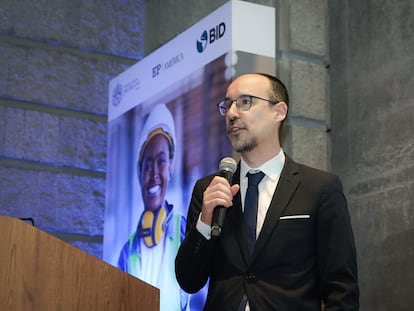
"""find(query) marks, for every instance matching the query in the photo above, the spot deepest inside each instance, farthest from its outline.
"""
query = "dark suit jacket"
(296, 262)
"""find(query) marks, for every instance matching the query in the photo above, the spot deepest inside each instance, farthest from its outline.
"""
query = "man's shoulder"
(306, 172)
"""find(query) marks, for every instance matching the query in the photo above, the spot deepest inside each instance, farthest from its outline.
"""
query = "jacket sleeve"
(195, 255)
(336, 250)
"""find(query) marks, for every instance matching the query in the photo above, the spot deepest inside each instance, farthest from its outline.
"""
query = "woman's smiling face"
(155, 172)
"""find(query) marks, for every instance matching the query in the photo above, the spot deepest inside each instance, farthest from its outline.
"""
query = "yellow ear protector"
(151, 227)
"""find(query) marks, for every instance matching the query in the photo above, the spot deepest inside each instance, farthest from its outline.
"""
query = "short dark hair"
(278, 89)
(277, 94)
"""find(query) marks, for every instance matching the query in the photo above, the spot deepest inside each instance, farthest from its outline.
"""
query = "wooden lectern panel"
(40, 272)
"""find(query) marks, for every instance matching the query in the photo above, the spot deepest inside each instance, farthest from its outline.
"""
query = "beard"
(239, 142)
(245, 146)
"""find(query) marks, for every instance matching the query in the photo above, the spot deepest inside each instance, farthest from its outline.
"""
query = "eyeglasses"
(243, 103)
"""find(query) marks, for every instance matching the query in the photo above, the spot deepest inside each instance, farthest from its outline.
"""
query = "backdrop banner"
(165, 132)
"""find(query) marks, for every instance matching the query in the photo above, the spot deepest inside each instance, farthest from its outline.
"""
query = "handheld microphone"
(227, 168)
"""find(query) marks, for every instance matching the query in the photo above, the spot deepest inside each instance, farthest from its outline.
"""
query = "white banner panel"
(236, 26)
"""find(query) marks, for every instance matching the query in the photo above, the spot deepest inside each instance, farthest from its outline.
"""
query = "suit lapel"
(286, 187)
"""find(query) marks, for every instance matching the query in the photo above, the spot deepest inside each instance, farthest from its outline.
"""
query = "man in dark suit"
(304, 256)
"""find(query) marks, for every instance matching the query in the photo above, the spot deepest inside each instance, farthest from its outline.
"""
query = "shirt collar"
(272, 168)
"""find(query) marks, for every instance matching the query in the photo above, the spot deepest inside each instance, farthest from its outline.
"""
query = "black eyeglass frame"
(225, 104)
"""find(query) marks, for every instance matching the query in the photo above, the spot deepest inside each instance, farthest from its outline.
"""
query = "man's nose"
(232, 111)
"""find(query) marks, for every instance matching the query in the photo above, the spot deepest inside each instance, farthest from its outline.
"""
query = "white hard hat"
(159, 122)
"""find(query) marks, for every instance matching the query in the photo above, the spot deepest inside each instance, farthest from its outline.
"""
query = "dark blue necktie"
(250, 207)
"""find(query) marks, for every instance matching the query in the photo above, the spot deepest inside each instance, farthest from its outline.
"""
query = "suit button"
(250, 277)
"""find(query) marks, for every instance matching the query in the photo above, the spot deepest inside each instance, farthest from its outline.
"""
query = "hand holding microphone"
(227, 168)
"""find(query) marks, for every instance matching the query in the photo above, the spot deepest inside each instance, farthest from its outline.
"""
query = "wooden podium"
(40, 272)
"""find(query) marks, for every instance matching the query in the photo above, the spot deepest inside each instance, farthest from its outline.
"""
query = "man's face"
(256, 128)
(155, 172)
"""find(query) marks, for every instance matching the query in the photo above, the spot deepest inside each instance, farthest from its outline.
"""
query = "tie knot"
(255, 178)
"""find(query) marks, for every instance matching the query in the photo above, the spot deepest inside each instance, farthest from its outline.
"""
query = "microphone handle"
(219, 212)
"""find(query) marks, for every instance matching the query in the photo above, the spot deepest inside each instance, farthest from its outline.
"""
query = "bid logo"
(210, 36)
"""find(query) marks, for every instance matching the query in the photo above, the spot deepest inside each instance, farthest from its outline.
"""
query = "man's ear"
(281, 110)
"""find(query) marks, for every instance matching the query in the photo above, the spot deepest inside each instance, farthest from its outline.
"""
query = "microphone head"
(228, 164)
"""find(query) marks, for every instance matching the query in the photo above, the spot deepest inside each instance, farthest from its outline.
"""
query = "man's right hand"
(218, 193)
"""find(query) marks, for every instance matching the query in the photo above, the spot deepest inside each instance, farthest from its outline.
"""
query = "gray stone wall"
(302, 61)
(57, 58)
(372, 96)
